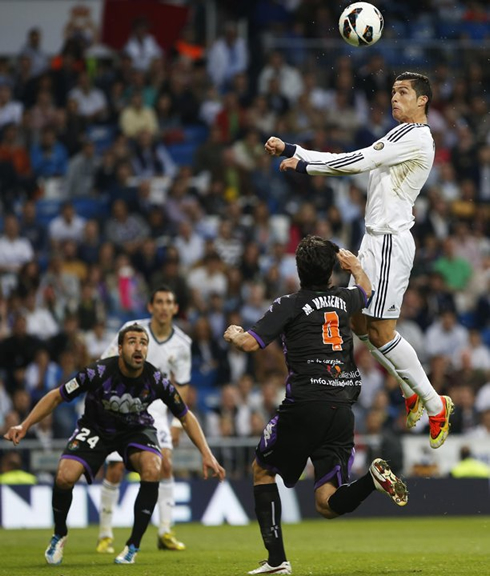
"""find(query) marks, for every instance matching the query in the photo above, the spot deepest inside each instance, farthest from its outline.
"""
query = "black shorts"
(321, 431)
(91, 448)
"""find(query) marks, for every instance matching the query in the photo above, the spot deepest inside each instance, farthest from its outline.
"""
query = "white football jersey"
(399, 165)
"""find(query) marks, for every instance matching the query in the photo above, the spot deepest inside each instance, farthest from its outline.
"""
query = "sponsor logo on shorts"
(75, 445)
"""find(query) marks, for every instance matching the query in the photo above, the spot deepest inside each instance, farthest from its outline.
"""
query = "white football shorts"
(160, 414)
(387, 260)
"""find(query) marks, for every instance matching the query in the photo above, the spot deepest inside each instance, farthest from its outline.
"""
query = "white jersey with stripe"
(171, 356)
(399, 165)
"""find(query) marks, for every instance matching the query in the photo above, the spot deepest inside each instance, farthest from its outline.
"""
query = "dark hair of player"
(162, 288)
(421, 85)
(131, 328)
(315, 259)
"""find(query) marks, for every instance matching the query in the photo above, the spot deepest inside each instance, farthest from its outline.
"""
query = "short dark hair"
(421, 85)
(161, 288)
(131, 328)
(315, 259)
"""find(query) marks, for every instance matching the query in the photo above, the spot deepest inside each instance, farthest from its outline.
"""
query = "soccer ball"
(361, 24)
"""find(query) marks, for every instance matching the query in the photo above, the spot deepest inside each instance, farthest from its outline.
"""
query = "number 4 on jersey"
(331, 332)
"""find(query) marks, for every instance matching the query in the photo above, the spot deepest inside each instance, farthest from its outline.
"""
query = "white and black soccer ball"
(361, 24)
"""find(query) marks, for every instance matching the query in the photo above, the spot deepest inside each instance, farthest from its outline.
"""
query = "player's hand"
(15, 434)
(274, 146)
(175, 434)
(231, 332)
(348, 261)
(288, 164)
(209, 462)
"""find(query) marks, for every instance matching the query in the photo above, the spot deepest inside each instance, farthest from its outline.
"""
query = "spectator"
(42, 115)
(92, 103)
(137, 117)
(208, 278)
(227, 57)
(33, 50)
(151, 158)
(17, 351)
(40, 321)
(11, 471)
(290, 81)
(41, 375)
(455, 270)
(469, 466)
(80, 178)
(142, 46)
(445, 337)
(189, 244)
(97, 340)
(67, 226)
(125, 230)
(14, 249)
(49, 157)
(10, 110)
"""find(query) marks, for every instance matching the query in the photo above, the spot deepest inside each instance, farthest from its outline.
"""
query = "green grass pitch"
(347, 547)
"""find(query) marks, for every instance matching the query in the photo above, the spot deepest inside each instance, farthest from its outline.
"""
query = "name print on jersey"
(325, 302)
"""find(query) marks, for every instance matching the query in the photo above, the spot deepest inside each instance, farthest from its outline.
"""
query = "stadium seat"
(485, 336)
(101, 136)
(47, 209)
(97, 208)
(182, 154)
(196, 134)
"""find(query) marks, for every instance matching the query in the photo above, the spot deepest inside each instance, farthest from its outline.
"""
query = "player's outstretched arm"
(350, 263)
(242, 340)
(275, 146)
(44, 407)
(194, 431)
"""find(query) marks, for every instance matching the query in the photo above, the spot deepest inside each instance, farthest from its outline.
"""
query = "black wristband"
(301, 167)
(289, 150)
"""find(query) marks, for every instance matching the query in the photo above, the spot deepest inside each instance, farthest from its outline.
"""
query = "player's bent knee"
(324, 509)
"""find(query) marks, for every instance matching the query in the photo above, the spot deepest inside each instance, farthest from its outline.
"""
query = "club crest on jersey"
(379, 146)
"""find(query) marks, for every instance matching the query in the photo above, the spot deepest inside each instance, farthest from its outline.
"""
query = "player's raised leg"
(401, 354)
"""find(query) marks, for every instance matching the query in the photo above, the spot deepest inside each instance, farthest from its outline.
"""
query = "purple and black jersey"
(317, 342)
(116, 403)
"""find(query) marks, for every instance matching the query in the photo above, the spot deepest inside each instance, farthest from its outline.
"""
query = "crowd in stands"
(123, 173)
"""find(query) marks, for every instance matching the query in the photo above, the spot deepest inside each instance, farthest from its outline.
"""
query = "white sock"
(109, 496)
(165, 505)
(378, 355)
(405, 360)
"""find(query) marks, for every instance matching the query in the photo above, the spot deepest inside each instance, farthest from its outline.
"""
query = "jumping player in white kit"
(169, 350)
(398, 165)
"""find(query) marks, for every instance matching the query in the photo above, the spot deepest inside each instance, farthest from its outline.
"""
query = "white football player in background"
(399, 165)
(169, 350)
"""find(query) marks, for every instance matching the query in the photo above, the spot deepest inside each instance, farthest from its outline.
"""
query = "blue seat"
(97, 208)
(46, 210)
(485, 336)
(182, 154)
(101, 136)
(196, 134)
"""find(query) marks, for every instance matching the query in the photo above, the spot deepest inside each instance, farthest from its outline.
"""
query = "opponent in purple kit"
(119, 390)
(315, 419)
